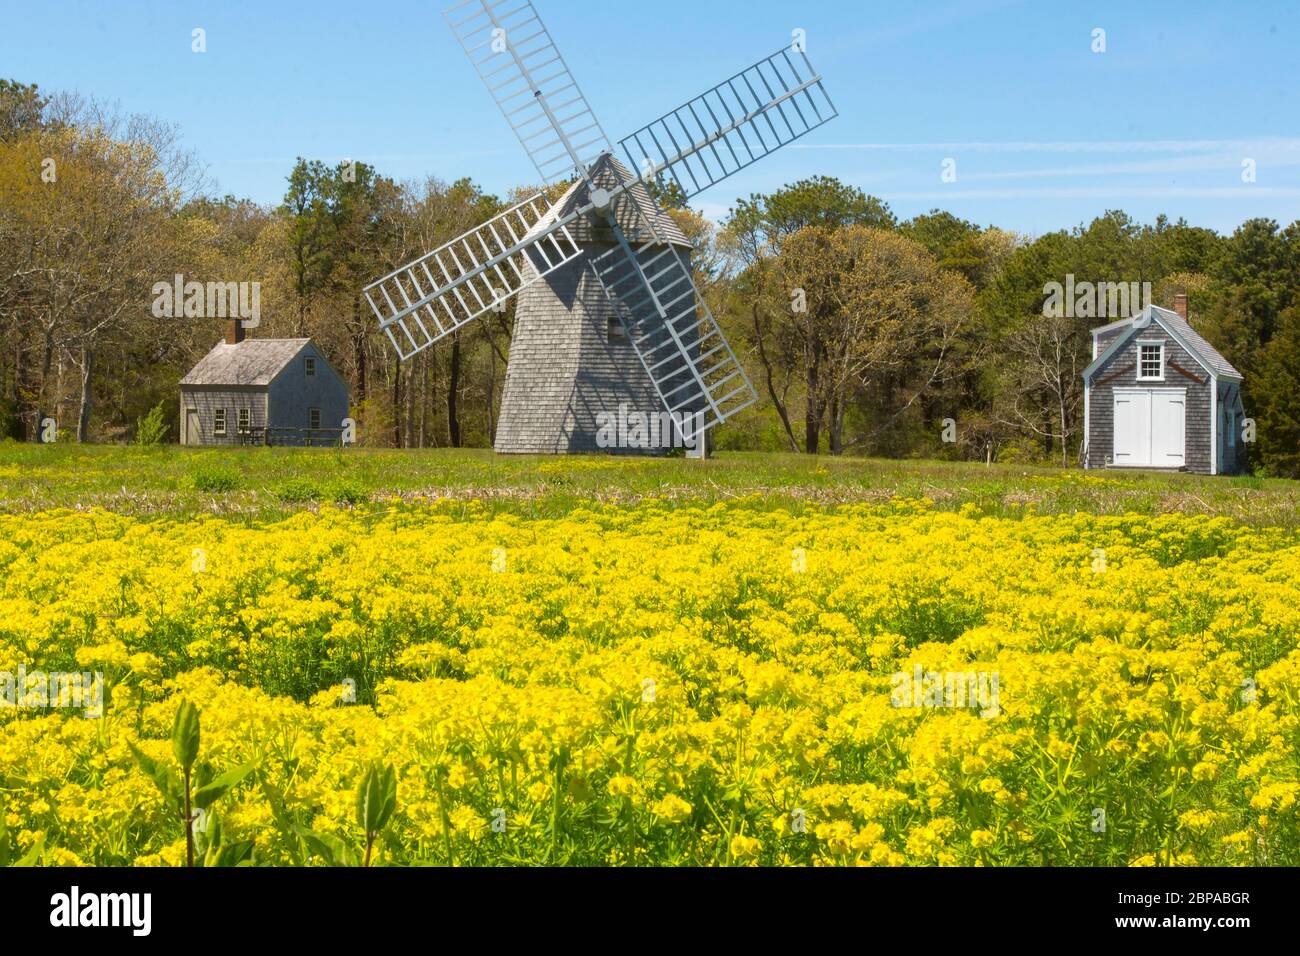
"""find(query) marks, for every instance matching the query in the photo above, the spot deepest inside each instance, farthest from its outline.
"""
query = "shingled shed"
(254, 390)
(571, 359)
(1158, 395)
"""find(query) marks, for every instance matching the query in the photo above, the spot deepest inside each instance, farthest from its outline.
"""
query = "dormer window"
(1151, 362)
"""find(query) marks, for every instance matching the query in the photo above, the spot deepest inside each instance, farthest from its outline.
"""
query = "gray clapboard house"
(1157, 395)
(280, 391)
(572, 367)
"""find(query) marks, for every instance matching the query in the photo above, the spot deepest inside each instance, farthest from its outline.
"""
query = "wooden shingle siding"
(1122, 372)
(268, 378)
(293, 393)
(208, 399)
(563, 370)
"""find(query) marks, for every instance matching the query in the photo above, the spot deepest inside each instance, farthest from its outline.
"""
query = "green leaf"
(185, 735)
(233, 854)
(33, 856)
(5, 854)
(164, 779)
(376, 797)
(328, 847)
(206, 795)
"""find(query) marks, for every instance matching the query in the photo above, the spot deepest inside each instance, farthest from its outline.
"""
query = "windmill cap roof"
(251, 362)
(633, 209)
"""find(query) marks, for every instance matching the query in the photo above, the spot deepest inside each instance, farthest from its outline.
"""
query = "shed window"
(1151, 361)
(313, 418)
(219, 422)
(245, 420)
(309, 365)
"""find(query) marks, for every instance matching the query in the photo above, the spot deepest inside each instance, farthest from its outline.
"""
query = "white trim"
(1141, 322)
(1135, 390)
(1087, 416)
(1214, 425)
(1158, 343)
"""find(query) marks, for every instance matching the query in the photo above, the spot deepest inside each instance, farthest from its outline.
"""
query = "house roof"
(251, 362)
(1181, 331)
(608, 172)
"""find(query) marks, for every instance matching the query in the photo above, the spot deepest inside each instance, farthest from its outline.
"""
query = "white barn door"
(1168, 428)
(1150, 427)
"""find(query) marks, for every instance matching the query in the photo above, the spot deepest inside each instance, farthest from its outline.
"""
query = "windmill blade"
(676, 337)
(443, 290)
(514, 55)
(738, 122)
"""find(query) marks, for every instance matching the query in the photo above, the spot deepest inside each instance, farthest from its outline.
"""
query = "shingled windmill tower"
(609, 323)
(574, 383)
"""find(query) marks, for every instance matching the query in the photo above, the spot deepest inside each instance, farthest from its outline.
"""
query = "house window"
(614, 331)
(1151, 361)
(219, 422)
(313, 418)
(245, 420)
(309, 365)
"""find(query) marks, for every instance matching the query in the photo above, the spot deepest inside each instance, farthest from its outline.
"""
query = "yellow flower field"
(665, 684)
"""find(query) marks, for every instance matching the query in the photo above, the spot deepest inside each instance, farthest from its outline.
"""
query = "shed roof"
(1176, 326)
(608, 172)
(251, 362)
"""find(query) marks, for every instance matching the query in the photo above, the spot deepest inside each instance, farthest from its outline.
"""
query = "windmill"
(609, 323)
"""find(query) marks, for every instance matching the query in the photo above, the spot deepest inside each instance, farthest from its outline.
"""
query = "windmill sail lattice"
(443, 290)
(733, 125)
(643, 273)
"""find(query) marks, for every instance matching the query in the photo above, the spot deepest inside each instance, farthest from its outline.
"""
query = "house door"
(1150, 427)
(191, 426)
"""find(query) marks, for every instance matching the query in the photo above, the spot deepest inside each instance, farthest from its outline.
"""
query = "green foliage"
(213, 480)
(376, 800)
(760, 224)
(152, 429)
(182, 797)
(298, 490)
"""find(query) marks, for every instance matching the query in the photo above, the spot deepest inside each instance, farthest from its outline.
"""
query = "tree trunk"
(837, 426)
(397, 405)
(453, 387)
(812, 419)
(781, 410)
(359, 350)
(83, 417)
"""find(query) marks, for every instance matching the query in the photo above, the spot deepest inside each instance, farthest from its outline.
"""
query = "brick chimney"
(234, 331)
(1180, 305)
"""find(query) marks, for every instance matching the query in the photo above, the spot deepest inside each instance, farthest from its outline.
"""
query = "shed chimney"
(1180, 305)
(234, 331)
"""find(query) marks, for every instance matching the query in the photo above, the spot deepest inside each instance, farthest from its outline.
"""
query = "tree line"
(863, 333)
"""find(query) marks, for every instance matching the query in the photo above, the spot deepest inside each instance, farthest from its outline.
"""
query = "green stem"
(189, 823)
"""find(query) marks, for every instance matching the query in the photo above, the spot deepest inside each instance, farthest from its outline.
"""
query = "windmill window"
(219, 422)
(1151, 361)
(614, 331)
(313, 418)
(309, 365)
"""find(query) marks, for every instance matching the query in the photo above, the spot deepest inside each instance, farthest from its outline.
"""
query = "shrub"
(152, 429)
(215, 480)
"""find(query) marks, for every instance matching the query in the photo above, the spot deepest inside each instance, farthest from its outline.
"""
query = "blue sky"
(1044, 132)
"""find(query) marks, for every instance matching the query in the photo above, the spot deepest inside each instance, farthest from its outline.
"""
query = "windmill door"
(1150, 427)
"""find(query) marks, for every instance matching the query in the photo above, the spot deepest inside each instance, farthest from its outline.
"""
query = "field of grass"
(267, 482)
(409, 658)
